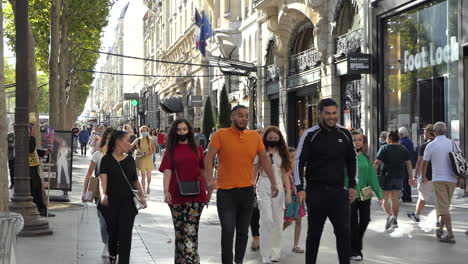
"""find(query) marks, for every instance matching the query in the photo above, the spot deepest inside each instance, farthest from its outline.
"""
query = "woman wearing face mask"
(272, 209)
(183, 161)
(144, 154)
(94, 167)
(117, 171)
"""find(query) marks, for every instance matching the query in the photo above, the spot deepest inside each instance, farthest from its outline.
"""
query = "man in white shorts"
(424, 189)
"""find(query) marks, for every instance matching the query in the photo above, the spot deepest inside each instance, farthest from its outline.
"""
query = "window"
(420, 68)
(304, 39)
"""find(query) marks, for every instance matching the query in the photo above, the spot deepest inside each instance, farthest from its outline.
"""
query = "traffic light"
(134, 102)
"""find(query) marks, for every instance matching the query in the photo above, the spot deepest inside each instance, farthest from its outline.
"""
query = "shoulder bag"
(136, 199)
(187, 188)
(458, 162)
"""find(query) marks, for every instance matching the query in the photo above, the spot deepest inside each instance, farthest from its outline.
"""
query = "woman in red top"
(184, 157)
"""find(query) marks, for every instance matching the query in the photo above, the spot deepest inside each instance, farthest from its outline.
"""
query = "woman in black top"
(116, 203)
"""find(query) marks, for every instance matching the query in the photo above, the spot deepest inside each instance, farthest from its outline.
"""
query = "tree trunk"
(63, 66)
(4, 199)
(53, 63)
(33, 101)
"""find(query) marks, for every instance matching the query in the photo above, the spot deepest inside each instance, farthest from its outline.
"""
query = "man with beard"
(324, 157)
(236, 148)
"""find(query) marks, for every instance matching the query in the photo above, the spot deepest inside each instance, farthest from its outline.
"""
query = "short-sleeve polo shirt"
(236, 154)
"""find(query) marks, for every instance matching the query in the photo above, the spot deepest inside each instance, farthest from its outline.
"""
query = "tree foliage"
(86, 19)
(224, 117)
(208, 118)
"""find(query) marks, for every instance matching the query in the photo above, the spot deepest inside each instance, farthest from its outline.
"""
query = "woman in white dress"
(272, 209)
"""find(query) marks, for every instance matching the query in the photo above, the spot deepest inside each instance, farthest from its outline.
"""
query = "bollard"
(10, 225)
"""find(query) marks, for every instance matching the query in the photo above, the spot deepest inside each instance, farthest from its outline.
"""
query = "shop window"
(420, 68)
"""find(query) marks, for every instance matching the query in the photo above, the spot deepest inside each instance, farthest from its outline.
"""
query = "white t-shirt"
(96, 158)
(437, 152)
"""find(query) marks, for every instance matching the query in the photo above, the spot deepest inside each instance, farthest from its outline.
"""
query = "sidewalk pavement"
(76, 237)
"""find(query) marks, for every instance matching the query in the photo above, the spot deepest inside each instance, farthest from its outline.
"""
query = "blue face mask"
(145, 134)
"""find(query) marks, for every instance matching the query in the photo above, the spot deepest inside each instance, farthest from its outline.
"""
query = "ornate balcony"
(348, 43)
(272, 73)
(304, 60)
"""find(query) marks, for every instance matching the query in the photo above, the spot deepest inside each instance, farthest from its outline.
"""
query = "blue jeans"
(103, 227)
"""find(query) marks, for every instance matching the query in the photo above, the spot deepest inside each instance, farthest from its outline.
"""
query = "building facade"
(303, 51)
(421, 49)
(110, 86)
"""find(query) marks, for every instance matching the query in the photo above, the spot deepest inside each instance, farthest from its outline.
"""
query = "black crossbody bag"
(187, 188)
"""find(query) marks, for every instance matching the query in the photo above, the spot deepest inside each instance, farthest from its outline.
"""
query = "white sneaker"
(105, 251)
(266, 261)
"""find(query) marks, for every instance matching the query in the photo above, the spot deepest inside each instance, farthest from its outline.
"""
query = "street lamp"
(22, 202)
(234, 101)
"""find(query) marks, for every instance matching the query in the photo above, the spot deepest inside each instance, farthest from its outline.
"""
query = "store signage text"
(432, 57)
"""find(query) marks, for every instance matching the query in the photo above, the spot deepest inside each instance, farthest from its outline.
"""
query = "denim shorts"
(392, 184)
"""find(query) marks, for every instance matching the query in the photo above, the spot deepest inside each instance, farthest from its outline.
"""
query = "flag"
(198, 26)
(203, 31)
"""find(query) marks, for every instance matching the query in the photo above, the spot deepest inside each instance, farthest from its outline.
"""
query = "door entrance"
(302, 114)
(431, 101)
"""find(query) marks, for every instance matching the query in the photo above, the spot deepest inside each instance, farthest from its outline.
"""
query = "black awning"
(172, 104)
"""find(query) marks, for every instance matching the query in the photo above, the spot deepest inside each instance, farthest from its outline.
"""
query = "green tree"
(208, 118)
(224, 116)
(83, 22)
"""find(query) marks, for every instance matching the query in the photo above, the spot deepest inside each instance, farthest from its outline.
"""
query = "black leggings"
(83, 148)
(119, 218)
(36, 189)
(360, 218)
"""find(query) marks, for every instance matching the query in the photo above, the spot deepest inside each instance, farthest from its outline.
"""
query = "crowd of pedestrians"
(262, 184)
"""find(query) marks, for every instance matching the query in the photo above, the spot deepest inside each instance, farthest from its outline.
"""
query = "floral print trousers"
(186, 218)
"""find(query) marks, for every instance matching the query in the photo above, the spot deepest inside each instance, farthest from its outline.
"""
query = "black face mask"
(182, 137)
(272, 144)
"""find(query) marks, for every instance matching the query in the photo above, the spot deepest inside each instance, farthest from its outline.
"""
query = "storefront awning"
(172, 104)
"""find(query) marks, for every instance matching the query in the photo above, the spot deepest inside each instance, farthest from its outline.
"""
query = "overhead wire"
(147, 75)
(160, 61)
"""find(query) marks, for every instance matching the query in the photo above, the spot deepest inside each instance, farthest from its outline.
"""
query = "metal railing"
(349, 42)
(304, 60)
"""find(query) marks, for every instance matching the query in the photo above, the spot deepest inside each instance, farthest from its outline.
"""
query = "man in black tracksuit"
(324, 157)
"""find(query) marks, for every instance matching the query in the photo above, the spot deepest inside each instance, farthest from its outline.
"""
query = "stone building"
(303, 50)
(169, 36)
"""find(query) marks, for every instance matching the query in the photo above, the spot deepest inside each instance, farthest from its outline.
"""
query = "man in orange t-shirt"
(236, 148)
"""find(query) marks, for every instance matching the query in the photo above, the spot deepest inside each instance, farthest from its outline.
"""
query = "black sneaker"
(414, 217)
(395, 223)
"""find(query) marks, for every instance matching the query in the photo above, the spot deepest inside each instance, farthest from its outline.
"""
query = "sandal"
(298, 250)
(448, 239)
(439, 232)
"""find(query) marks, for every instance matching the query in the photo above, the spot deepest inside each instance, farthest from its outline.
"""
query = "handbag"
(366, 193)
(136, 199)
(458, 162)
(187, 188)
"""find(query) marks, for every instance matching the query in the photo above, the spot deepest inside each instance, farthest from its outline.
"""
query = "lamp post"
(251, 96)
(22, 201)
